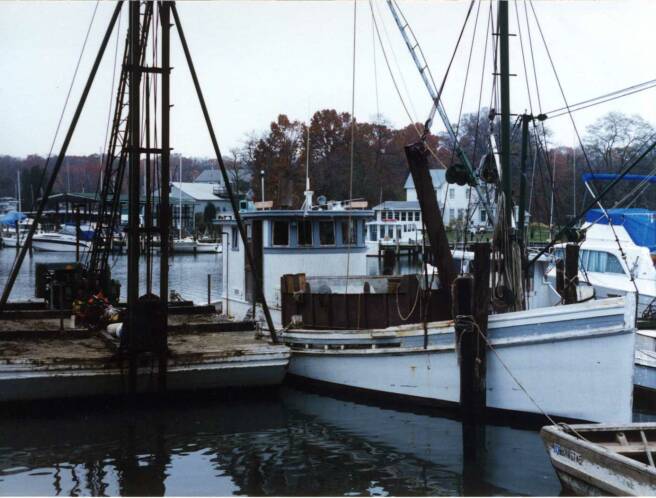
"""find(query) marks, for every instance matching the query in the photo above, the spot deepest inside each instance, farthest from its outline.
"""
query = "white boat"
(58, 242)
(604, 459)
(568, 358)
(189, 245)
(613, 270)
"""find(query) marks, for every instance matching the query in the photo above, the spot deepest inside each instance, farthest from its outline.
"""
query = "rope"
(350, 218)
(68, 95)
(470, 320)
(413, 121)
(398, 308)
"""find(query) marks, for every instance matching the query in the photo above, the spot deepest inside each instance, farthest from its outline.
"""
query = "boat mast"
(504, 62)
(18, 190)
(180, 198)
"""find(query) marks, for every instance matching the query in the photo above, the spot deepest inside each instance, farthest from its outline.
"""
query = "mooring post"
(77, 233)
(560, 277)
(481, 274)
(462, 297)
(571, 273)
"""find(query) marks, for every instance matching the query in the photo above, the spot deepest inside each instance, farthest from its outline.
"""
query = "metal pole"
(262, 182)
(224, 173)
(523, 180)
(133, 182)
(209, 285)
(165, 180)
(505, 110)
(62, 153)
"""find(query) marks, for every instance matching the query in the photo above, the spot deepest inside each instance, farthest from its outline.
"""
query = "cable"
(68, 95)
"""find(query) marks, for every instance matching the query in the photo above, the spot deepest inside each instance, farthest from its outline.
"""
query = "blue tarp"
(12, 217)
(612, 176)
(639, 223)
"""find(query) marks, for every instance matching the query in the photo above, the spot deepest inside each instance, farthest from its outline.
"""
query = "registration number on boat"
(567, 453)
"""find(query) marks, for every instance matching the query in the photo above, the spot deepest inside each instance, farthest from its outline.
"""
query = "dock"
(39, 360)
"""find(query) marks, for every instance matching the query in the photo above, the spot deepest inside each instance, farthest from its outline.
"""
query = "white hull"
(56, 242)
(568, 358)
(195, 247)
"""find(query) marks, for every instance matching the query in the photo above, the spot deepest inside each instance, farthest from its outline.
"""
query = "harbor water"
(289, 443)
(281, 442)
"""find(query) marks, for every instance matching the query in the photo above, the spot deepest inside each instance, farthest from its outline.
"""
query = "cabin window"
(327, 233)
(452, 193)
(600, 262)
(234, 238)
(403, 215)
(349, 237)
(417, 214)
(280, 233)
(373, 233)
(397, 215)
(305, 233)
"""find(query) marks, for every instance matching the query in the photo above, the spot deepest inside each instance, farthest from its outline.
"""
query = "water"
(290, 443)
(187, 273)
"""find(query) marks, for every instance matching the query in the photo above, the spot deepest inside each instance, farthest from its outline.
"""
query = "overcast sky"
(256, 59)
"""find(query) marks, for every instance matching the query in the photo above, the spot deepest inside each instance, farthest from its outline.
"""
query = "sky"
(258, 59)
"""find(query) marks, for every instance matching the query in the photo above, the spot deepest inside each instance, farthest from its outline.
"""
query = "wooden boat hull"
(568, 361)
(588, 469)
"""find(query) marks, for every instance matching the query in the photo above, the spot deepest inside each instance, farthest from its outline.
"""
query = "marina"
(334, 304)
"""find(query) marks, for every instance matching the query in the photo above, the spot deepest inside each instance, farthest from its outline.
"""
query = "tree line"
(375, 168)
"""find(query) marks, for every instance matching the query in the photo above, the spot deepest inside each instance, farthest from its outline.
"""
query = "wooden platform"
(38, 360)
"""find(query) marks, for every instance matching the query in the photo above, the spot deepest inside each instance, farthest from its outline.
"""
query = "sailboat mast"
(504, 61)
(18, 190)
(180, 199)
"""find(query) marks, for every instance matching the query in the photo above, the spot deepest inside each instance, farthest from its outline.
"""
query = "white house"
(190, 198)
(401, 221)
(453, 199)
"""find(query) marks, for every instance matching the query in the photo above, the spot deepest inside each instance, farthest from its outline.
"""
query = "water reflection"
(293, 443)
(187, 274)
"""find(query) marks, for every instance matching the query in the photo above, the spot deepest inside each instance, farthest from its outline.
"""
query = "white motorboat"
(615, 257)
(58, 242)
(189, 245)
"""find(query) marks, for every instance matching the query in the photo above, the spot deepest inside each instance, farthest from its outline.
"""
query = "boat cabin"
(322, 241)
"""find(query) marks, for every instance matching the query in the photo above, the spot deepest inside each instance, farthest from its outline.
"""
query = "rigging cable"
(68, 95)
(413, 122)
(585, 155)
(350, 219)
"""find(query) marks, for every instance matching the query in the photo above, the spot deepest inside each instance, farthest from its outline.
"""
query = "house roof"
(437, 175)
(197, 191)
(414, 205)
(209, 176)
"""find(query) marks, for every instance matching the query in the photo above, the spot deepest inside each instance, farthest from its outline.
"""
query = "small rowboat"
(598, 459)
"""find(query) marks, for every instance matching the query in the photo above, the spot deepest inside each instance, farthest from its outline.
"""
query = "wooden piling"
(481, 274)
(463, 310)
(560, 278)
(571, 273)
